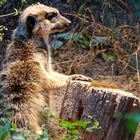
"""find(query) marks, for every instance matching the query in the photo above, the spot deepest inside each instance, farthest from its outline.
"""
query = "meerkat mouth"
(59, 28)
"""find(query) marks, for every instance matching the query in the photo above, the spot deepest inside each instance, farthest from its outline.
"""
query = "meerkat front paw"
(80, 77)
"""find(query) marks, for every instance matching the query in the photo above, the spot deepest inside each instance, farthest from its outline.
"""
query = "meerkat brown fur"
(27, 77)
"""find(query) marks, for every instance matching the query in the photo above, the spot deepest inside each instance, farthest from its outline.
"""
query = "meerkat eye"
(50, 16)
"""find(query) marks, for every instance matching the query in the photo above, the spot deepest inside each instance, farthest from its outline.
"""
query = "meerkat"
(27, 77)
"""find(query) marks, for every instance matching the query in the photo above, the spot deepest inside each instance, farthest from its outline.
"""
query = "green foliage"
(16, 136)
(57, 44)
(73, 132)
(44, 136)
(72, 129)
(93, 127)
(135, 4)
(132, 119)
(81, 8)
(15, 13)
(5, 131)
(2, 28)
(23, 1)
(108, 57)
(77, 38)
(71, 126)
(2, 2)
(8, 129)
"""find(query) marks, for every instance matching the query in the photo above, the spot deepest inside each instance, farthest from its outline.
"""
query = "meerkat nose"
(67, 23)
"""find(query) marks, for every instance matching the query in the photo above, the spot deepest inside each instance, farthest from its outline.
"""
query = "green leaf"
(69, 35)
(82, 124)
(44, 136)
(8, 113)
(18, 137)
(132, 126)
(81, 8)
(137, 14)
(75, 132)
(132, 121)
(16, 12)
(23, 1)
(2, 2)
(5, 131)
(96, 125)
(2, 28)
(67, 137)
(108, 57)
(13, 126)
(135, 116)
(67, 124)
(89, 129)
(57, 44)
(64, 36)
(77, 37)
(2, 121)
(97, 40)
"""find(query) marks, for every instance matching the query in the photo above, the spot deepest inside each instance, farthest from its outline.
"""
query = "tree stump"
(102, 104)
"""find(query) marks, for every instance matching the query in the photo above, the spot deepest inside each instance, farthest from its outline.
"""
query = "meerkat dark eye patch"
(50, 16)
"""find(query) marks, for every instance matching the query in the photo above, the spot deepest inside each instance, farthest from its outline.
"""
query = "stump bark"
(101, 104)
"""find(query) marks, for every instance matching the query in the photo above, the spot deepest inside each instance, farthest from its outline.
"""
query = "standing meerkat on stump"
(27, 77)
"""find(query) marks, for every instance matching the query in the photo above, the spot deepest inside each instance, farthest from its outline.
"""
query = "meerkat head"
(40, 21)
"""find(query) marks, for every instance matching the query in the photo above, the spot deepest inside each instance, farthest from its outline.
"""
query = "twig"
(137, 67)
(11, 14)
(83, 18)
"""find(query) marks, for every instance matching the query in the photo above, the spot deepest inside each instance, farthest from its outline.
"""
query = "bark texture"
(102, 104)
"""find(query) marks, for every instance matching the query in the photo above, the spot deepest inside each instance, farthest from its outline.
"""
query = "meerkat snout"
(61, 24)
(66, 22)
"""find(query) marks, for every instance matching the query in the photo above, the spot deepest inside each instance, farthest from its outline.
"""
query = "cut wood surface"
(81, 101)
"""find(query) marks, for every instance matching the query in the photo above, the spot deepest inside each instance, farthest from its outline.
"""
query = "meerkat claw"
(80, 77)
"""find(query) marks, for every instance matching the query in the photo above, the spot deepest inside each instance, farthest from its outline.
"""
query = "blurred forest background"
(103, 41)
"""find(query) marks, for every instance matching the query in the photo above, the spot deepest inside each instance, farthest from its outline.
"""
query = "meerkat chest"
(43, 54)
(43, 58)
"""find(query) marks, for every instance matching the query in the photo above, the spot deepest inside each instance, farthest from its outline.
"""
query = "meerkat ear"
(24, 29)
(30, 23)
